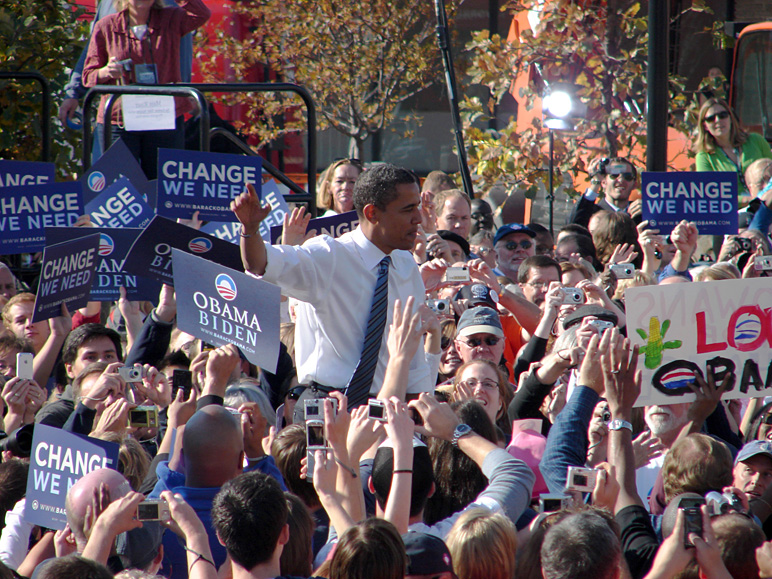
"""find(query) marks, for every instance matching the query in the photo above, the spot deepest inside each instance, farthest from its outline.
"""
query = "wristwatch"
(460, 431)
(619, 425)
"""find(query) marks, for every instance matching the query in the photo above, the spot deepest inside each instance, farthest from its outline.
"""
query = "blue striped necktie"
(362, 379)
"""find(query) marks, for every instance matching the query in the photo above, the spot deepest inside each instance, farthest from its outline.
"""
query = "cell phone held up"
(24, 366)
(182, 379)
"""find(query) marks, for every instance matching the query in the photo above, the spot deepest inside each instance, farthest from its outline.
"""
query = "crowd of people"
(441, 378)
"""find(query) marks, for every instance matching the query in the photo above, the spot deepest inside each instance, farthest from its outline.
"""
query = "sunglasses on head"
(475, 342)
(512, 245)
(625, 176)
(722, 115)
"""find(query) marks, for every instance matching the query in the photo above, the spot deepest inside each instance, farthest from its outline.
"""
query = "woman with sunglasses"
(723, 145)
(336, 191)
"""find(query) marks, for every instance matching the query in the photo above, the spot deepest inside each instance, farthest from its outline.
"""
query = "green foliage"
(601, 49)
(359, 60)
(42, 36)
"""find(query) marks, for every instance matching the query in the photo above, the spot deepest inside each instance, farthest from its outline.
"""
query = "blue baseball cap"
(754, 448)
(479, 320)
(505, 230)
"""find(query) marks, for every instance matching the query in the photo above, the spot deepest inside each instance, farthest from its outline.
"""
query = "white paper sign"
(148, 112)
(715, 327)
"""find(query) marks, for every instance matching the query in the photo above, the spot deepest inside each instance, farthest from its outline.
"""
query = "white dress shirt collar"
(370, 254)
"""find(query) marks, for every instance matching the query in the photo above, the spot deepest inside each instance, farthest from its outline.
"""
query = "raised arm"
(250, 212)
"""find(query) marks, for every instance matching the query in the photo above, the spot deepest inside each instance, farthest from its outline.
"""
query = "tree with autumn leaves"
(43, 36)
(598, 46)
(359, 60)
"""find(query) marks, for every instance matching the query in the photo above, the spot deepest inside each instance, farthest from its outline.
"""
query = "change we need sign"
(18, 173)
(222, 306)
(117, 162)
(190, 181)
(119, 205)
(114, 245)
(334, 226)
(702, 328)
(58, 460)
(151, 254)
(25, 212)
(66, 276)
(230, 231)
(708, 198)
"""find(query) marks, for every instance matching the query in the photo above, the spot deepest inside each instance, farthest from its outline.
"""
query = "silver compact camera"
(581, 479)
(572, 295)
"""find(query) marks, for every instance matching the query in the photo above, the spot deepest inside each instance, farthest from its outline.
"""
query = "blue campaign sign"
(17, 173)
(119, 205)
(115, 163)
(222, 306)
(190, 181)
(708, 198)
(151, 254)
(114, 245)
(334, 226)
(66, 276)
(26, 211)
(58, 460)
(229, 231)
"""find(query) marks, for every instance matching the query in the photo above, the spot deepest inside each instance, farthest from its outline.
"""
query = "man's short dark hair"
(378, 186)
(576, 229)
(86, 333)
(74, 567)
(249, 514)
(174, 358)
(581, 546)
(423, 477)
(539, 261)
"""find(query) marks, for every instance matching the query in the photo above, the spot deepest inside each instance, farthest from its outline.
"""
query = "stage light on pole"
(559, 105)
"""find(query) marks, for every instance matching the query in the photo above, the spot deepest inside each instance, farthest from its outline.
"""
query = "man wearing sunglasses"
(480, 336)
(513, 244)
(616, 178)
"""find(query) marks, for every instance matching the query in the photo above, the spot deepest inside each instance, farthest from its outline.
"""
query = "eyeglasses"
(625, 176)
(767, 419)
(477, 342)
(473, 383)
(512, 245)
(538, 284)
(722, 115)
(482, 251)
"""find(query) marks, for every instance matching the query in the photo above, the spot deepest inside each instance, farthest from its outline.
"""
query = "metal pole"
(657, 79)
(551, 195)
(443, 38)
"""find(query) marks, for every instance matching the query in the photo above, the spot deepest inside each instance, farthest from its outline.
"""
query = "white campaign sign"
(148, 112)
(716, 328)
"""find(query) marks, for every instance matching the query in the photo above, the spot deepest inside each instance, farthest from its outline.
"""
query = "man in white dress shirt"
(335, 278)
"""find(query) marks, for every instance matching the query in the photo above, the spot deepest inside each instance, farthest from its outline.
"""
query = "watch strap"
(619, 425)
